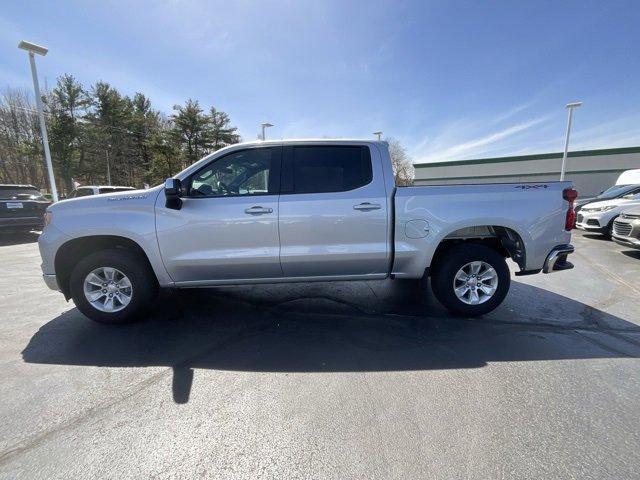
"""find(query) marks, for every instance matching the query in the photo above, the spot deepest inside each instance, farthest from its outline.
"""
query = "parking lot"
(343, 380)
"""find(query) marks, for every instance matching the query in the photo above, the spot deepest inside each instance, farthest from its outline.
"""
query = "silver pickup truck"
(301, 211)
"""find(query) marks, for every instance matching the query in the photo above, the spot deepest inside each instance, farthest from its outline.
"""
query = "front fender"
(130, 217)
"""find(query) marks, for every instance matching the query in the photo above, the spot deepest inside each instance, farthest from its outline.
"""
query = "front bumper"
(627, 242)
(557, 259)
(51, 281)
(589, 228)
(626, 231)
(49, 241)
(592, 221)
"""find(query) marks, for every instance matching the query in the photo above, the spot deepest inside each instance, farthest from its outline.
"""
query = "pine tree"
(192, 128)
(66, 104)
(223, 134)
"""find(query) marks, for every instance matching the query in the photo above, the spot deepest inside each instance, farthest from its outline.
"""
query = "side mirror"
(172, 193)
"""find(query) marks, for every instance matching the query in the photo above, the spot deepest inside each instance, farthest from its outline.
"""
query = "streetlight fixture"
(378, 134)
(34, 49)
(264, 127)
(570, 107)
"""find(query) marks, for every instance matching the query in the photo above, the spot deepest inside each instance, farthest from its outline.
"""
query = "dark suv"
(22, 208)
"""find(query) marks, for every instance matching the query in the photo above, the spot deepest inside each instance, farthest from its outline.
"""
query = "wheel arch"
(72, 251)
(504, 239)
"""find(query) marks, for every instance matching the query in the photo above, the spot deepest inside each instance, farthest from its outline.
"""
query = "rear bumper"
(557, 259)
(21, 223)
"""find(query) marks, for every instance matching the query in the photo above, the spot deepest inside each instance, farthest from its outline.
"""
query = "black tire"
(143, 282)
(448, 265)
(609, 230)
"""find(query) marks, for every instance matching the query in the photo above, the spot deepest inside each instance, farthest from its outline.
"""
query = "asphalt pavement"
(335, 380)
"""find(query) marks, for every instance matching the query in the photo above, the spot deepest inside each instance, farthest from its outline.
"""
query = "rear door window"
(331, 168)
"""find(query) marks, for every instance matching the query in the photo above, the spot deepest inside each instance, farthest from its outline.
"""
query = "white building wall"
(587, 184)
(590, 173)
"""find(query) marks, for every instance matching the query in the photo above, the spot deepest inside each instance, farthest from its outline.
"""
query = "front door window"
(242, 173)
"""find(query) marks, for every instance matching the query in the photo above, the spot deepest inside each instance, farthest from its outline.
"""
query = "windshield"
(615, 191)
(18, 193)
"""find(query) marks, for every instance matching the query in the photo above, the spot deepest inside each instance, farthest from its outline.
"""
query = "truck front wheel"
(112, 286)
(470, 279)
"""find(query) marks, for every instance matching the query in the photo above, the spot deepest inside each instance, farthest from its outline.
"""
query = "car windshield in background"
(615, 191)
(113, 189)
(13, 193)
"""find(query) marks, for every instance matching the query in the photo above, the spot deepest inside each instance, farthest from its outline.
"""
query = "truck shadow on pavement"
(597, 236)
(332, 328)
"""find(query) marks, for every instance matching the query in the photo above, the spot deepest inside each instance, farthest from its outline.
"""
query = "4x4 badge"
(528, 186)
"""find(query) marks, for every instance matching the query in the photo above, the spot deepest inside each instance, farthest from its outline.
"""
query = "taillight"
(570, 195)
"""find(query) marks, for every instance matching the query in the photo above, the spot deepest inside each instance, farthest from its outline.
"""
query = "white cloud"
(513, 112)
(475, 146)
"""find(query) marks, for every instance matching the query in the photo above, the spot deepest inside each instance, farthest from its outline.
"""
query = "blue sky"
(449, 79)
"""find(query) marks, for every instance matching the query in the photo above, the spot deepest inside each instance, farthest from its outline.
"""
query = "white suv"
(598, 217)
(97, 190)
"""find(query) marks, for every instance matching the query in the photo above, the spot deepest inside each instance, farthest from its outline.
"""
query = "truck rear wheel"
(470, 279)
(112, 286)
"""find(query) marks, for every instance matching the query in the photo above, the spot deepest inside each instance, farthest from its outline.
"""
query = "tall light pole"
(33, 49)
(264, 127)
(570, 107)
(378, 134)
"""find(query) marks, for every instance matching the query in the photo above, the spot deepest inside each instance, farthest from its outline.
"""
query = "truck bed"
(536, 212)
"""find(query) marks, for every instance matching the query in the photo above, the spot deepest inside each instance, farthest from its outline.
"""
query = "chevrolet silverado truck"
(302, 211)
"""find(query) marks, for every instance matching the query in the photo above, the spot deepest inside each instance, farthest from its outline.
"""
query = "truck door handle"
(258, 210)
(367, 206)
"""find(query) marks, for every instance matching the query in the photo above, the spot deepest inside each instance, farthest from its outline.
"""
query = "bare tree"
(403, 171)
(20, 147)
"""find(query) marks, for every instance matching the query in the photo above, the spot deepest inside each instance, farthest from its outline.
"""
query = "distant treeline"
(98, 128)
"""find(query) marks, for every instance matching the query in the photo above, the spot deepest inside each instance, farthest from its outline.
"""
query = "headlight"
(599, 209)
(48, 216)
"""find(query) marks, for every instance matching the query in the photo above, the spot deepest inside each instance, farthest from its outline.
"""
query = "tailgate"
(22, 208)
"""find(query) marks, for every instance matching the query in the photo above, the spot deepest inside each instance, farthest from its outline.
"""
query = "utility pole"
(378, 134)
